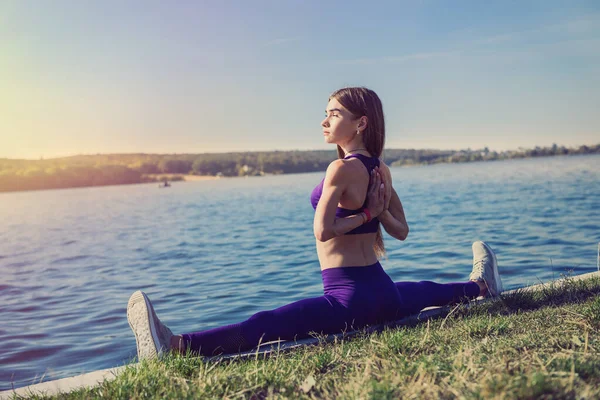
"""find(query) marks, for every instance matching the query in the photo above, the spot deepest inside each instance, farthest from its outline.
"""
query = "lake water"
(214, 252)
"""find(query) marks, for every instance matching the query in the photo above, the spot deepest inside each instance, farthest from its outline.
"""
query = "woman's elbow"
(405, 233)
(323, 234)
(397, 231)
(402, 234)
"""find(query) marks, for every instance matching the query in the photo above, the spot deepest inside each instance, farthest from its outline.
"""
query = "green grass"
(532, 345)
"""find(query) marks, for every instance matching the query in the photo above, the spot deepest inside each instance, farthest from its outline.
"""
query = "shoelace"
(478, 268)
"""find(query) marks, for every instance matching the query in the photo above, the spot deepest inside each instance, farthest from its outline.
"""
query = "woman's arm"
(392, 218)
(338, 177)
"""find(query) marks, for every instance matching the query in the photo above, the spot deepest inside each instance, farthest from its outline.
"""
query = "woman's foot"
(151, 336)
(485, 270)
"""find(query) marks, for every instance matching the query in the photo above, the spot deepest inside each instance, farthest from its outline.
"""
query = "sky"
(113, 76)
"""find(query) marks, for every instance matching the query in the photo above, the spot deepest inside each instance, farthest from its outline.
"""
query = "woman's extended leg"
(419, 295)
(484, 280)
(293, 321)
(321, 314)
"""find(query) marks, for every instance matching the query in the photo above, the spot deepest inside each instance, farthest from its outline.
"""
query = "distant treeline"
(114, 169)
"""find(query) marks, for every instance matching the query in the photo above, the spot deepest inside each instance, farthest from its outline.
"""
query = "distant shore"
(120, 169)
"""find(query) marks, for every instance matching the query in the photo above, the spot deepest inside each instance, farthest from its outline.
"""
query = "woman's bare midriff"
(347, 251)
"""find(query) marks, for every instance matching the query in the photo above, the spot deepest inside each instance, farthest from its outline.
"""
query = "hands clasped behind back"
(376, 193)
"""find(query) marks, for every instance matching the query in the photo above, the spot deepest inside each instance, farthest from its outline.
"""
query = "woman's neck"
(354, 147)
(355, 150)
(358, 150)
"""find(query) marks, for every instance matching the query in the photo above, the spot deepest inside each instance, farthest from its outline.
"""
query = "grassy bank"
(542, 344)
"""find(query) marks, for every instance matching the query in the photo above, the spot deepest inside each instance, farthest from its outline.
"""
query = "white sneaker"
(151, 336)
(485, 268)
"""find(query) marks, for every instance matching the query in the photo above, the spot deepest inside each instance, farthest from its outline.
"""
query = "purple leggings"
(354, 297)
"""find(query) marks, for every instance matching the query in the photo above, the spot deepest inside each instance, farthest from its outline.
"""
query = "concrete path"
(93, 379)
(90, 379)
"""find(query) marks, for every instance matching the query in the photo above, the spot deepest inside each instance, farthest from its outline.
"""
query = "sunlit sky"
(87, 77)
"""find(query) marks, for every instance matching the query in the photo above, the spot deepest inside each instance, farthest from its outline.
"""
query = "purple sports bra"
(369, 227)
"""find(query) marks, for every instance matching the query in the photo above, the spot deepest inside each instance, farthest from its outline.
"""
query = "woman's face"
(339, 125)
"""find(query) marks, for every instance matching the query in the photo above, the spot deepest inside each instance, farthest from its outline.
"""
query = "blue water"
(214, 252)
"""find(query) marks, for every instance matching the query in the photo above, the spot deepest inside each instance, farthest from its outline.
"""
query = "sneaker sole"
(496, 273)
(142, 324)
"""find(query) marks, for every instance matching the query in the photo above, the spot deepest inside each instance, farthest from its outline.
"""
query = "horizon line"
(520, 148)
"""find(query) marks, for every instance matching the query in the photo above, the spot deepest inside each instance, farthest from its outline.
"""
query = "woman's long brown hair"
(360, 102)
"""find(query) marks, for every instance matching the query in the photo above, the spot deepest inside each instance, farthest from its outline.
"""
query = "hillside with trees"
(115, 169)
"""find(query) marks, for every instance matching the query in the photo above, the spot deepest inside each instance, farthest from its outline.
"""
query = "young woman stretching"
(354, 199)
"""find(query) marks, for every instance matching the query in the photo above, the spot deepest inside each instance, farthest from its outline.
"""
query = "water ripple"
(66, 260)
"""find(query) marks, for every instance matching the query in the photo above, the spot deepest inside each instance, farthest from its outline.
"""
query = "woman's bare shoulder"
(339, 171)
